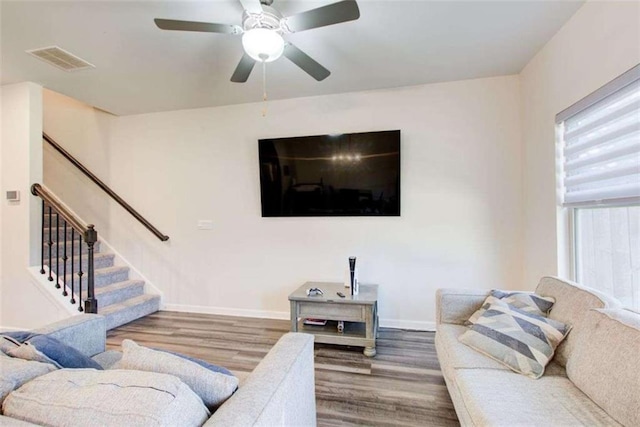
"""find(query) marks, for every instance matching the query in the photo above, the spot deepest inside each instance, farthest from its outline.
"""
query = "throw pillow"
(525, 342)
(15, 372)
(46, 349)
(212, 387)
(525, 301)
(204, 364)
(79, 397)
(8, 343)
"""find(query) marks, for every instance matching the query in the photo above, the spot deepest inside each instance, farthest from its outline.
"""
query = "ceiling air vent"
(60, 58)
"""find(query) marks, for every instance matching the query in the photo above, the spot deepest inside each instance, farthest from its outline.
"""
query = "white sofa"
(593, 379)
(280, 391)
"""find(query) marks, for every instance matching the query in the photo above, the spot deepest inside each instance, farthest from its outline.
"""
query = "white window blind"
(601, 150)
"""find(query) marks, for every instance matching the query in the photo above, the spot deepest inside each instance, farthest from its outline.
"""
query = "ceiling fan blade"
(304, 61)
(241, 74)
(343, 11)
(205, 27)
(252, 6)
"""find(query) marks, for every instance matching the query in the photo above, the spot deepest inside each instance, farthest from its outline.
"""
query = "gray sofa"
(279, 392)
(593, 379)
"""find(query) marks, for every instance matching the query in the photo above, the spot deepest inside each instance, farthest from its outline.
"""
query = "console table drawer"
(332, 311)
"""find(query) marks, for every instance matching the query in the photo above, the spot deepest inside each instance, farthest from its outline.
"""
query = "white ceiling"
(141, 69)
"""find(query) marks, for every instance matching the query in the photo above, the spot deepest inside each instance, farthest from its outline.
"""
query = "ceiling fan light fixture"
(263, 44)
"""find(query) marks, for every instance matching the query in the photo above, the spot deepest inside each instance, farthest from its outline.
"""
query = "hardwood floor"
(401, 386)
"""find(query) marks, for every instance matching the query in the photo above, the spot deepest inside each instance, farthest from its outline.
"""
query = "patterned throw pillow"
(525, 342)
(526, 301)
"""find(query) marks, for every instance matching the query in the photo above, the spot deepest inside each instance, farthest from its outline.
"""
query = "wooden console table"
(359, 312)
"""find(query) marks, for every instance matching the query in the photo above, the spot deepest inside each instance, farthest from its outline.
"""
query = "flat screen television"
(353, 174)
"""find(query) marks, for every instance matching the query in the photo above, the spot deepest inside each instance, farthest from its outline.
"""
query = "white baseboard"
(224, 311)
(284, 315)
(52, 293)
(12, 328)
(415, 325)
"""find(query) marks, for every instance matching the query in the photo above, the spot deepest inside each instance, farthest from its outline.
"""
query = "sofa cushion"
(107, 359)
(459, 355)
(525, 301)
(118, 398)
(213, 387)
(43, 348)
(502, 398)
(12, 422)
(523, 341)
(15, 372)
(605, 363)
(572, 302)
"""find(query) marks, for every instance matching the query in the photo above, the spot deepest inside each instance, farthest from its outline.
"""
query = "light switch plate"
(205, 224)
(13, 196)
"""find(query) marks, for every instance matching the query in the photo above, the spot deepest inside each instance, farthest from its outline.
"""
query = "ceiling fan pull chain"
(264, 88)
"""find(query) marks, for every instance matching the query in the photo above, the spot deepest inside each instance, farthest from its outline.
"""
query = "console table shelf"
(359, 313)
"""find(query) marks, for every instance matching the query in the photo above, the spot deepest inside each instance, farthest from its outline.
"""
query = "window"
(599, 170)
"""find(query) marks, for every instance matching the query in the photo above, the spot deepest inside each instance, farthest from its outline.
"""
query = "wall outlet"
(205, 224)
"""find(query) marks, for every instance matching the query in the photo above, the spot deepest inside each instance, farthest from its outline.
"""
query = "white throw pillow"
(212, 387)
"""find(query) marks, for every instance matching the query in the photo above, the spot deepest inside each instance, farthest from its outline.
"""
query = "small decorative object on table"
(312, 292)
(352, 284)
(315, 322)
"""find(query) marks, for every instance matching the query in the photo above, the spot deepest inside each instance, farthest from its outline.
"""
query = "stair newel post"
(90, 238)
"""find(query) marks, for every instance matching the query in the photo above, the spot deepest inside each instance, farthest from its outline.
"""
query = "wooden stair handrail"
(53, 201)
(105, 188)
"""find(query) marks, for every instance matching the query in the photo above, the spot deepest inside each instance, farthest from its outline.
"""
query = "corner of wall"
(596, 45)
(20, 166)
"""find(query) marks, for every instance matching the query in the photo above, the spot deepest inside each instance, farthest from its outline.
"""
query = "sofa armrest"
(454, 306)
(280, 390)
(84, 332)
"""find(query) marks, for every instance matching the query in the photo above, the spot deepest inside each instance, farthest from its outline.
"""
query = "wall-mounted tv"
(352, 174)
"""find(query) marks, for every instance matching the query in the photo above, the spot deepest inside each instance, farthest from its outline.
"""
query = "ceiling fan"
(263, 28)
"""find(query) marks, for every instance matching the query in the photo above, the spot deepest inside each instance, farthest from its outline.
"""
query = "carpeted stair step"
(119, 292)
(129, 310)
(48, 220)
(52, 220)
(100, 260)
(104, 276)
(60, 235)
(59, 246)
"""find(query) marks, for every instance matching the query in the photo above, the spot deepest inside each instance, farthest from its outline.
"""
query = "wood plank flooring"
(401, 386)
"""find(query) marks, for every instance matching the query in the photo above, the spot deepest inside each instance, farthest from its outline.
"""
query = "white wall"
(84, 132)
(461, 200)
(600, 42)
(24, 305)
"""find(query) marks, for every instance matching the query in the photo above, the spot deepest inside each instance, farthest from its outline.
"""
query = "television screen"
(356, 174)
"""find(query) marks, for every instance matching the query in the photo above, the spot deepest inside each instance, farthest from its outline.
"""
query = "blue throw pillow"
(44, 348)
(206, 365)
(20, 336)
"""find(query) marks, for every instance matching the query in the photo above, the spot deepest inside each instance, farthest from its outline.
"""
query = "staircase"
(87, 277)
(120, 298)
